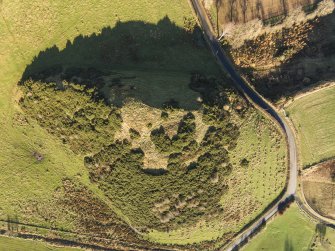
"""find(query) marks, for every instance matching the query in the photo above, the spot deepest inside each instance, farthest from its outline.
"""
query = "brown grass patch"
(144, 119)
(319, 188)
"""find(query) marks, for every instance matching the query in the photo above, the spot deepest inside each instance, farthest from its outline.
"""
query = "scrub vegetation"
(117, 125)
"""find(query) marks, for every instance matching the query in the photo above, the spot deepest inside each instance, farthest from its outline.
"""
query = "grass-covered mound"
(87, 115)
(113, 75)
(190, 182)
(185, 190)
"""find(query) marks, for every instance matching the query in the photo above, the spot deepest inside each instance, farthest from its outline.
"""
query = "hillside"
(118, 129)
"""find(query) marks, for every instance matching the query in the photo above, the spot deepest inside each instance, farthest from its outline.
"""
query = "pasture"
(313, 117)
(292, 231)
(15, 244)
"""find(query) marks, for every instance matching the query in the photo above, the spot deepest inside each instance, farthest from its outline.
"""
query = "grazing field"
(16, 244)
(119, 101)
(292, 231)
(313, 117)
(319, 188)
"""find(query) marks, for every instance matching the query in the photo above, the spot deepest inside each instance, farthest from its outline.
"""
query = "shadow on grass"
(288, 245)
(149, 62)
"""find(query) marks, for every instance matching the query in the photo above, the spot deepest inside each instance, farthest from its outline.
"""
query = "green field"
(16, 244)
(291, 231)
(313, 117)
(163, 51)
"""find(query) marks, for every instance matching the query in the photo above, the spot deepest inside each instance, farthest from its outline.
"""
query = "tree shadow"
(288, 245)
(152, 63)
(321, 230)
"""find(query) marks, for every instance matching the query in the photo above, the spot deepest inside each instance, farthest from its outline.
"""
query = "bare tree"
(260, 10)
(217, 6)
(232, 10)
(284, 6)
(244, 6)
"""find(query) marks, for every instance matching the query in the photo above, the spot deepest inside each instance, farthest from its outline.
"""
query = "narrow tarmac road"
(260, 103)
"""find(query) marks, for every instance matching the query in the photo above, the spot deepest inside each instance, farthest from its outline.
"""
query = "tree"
(284, 6)
(244, 162)
(232, 10)
(260, 10)
(244, 6)
(332, 175)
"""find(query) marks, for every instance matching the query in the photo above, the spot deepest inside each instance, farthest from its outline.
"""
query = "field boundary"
(63, 241)
(320, 86)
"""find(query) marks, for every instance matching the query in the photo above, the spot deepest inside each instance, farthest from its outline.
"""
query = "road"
(260, 103)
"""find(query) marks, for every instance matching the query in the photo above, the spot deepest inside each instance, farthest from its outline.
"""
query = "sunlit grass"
(313, 117)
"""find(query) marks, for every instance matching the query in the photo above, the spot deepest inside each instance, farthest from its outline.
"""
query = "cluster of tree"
(118, 169)
(285, 204)
(75, 114)
(193, 190)
(72, 113)
(216, 97)
(89, 77)
(216, 144)
(181, 141)
(117, 155)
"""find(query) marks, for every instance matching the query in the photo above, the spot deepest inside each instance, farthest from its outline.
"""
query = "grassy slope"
(15, 244)
(27, 28)
(313, 117)
(258, 184)
(291, 231)
(167, 84)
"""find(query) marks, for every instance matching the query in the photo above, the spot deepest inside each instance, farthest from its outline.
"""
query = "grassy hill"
(116, 118)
